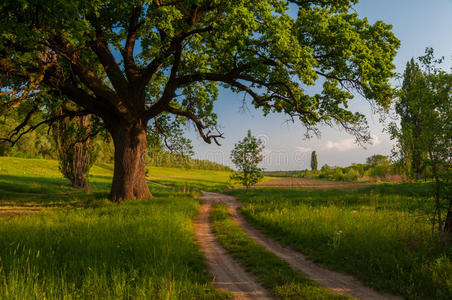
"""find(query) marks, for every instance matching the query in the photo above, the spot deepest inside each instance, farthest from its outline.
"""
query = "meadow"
(381, 234)
(82, 246)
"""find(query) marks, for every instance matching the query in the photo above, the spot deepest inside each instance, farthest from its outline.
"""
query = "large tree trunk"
(129, 181)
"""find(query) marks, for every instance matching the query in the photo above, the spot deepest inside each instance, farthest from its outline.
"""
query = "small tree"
(74, 149)
(313, 161)
(246, 156)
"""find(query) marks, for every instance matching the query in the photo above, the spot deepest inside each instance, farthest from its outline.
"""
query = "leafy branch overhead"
(136, 59)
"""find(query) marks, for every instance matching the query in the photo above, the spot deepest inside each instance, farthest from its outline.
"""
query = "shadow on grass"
(47, 192)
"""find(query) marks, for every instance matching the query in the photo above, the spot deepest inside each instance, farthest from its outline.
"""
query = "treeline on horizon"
(40, 144)
(377, 168)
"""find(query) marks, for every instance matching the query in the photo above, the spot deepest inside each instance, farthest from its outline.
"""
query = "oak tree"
(129, 61)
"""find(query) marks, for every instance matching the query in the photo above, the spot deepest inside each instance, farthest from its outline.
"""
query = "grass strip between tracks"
(273, 273)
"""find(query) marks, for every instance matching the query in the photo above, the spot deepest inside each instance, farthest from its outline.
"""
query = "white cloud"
(304, 149)
(375, 140)
(349, 144)
(342, 145)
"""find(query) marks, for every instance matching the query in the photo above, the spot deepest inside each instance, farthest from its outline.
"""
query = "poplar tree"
(313, 161)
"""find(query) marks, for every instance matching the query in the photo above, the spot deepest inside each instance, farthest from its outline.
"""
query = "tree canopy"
(129, 62)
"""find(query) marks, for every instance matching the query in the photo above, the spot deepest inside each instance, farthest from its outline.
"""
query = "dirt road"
(229, 275)
(334, 281)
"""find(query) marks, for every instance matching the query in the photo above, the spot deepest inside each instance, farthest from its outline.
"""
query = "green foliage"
(382, 234)
(377, 159)
(167, 147)
(275, 274)
(377, 168)
(187, 50)
(424, 108)
(35, 144)
(246, 156)
(313, 161)
(424, 137)
(254, 47)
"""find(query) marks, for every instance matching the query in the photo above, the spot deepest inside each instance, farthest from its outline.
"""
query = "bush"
(352, 174)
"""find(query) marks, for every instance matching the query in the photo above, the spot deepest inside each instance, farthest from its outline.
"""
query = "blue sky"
(416, 23)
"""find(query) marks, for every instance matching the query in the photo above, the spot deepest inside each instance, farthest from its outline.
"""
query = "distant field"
(381, 234)
(282, 173)
(309, 184)
(82, 246)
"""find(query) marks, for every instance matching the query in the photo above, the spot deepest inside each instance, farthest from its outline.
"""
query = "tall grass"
(82, 246)
(382, 235)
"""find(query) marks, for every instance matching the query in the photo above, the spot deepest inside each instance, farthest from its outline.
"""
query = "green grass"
(274, 274)
(382, 235)
(82, 246)
(208, 180)
(38, 182)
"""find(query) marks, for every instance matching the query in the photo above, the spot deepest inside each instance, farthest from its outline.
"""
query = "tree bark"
(81, 159)
(129, 178)
(82, 156)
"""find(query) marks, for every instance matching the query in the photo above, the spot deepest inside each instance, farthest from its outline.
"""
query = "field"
(83, 246)
(308, 184)
(381, 234)
(58, 242)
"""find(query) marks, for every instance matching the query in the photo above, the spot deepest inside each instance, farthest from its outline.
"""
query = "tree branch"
(170, 87)
(101, 48)
(207, 137)
(60, 45)
(132, 71)
(15, 135)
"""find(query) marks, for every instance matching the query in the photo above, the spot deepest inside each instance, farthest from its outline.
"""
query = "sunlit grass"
(382, 235)
(79, 245)
(39, 182)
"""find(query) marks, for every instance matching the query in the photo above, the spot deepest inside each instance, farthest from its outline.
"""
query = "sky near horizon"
(416, 23)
